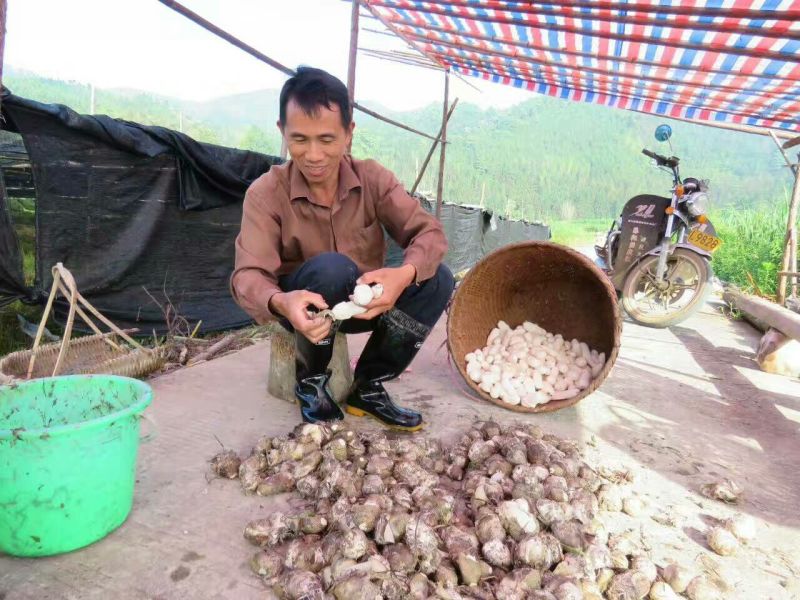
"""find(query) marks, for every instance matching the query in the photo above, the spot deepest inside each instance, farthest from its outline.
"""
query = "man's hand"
(294, 306)
(394, 282)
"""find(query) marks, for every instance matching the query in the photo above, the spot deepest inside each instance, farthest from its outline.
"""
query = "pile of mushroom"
(531, 366)
(506, 513)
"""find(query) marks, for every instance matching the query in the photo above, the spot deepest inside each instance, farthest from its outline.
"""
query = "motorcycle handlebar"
(671, 161)
(651, 154)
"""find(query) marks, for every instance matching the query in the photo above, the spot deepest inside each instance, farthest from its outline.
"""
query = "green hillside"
(542, 159)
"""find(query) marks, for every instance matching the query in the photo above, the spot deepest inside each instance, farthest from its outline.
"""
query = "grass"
(752, 248)
(579, 232)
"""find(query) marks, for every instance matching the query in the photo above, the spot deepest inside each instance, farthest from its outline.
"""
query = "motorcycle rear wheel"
(686, 270)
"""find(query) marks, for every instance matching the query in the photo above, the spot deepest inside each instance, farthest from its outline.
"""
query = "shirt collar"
(348, 181)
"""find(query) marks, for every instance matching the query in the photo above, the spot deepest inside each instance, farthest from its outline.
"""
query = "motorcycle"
(658, 252)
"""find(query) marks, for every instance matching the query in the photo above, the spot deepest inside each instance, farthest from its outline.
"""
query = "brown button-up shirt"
(283, 226)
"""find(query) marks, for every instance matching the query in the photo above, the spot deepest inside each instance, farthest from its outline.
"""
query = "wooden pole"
(789, 262)
(782, 150)
(793, 252)
(780, 297)
(421, 172)
(284, 148)
(3, 7)
(372, 113)
(351, 62)
(192, 16)
(782, 319)
(795, 141)
(443, 136)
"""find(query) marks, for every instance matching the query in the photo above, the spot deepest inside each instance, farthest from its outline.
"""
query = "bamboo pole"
(780, 297)
(208, 25)
(351, 60)
(422, 61)
(192, 16)
(421, 172)
(445, 105)
(284, 148)
(3, 7)
(782, 150)
(782, 319)
(734, 127)
(793, 257)
(789, 262)
(795, 141)
(372, 113)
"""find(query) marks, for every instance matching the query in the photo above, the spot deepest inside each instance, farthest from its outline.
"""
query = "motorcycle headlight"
(697, 204)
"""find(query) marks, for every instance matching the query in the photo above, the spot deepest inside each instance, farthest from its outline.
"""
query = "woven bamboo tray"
(548, 284)
(87, 355)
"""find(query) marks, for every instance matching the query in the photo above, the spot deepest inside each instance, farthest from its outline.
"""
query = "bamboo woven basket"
(111, 353)
(87, 355)
(545, 283)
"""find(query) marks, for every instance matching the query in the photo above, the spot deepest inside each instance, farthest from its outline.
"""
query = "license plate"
(706, 242)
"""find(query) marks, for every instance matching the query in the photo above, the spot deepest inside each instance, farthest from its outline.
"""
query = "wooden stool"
(282, 368)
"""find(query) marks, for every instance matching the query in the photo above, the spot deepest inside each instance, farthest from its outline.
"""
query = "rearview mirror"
(663, 132)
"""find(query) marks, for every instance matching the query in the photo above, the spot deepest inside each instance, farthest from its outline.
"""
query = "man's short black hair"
(312, 88)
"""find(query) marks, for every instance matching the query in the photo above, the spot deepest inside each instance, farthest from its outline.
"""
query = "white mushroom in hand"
(363, 294)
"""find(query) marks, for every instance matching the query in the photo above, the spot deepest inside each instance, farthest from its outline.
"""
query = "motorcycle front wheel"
(687, 283)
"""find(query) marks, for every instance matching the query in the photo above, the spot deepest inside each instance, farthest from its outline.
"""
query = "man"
(312, 229)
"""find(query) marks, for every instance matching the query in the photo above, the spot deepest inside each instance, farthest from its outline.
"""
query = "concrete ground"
(683, 407)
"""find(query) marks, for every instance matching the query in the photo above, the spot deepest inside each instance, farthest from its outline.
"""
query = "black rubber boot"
(311, 391)
(390, 349)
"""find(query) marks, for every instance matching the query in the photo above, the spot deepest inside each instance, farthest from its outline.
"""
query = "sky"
(144, 45)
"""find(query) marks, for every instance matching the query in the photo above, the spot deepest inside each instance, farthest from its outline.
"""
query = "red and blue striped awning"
(729, 61)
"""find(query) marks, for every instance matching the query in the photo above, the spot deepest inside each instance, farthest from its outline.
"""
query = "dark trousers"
(333, 276)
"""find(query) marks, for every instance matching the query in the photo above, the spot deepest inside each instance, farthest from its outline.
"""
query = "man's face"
(317, 142)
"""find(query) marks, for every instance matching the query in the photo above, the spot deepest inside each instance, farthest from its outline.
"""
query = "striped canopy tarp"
(730, 61)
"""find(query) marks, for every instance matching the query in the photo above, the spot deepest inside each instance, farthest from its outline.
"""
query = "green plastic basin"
(67, 460)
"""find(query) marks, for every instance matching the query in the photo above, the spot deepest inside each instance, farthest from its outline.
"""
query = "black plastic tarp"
(12, 284)
(501, 231)
(473, 232)
(133, 212)
(144, 216)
